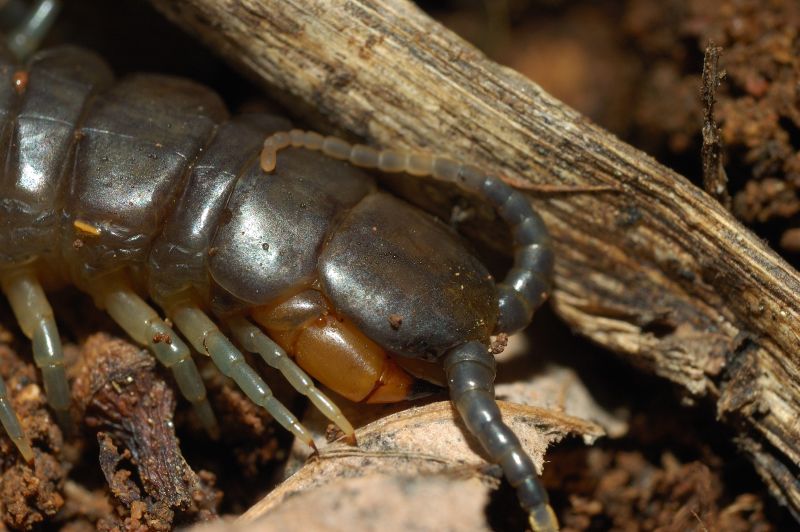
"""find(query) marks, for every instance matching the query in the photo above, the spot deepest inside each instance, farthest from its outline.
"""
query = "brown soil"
(30, 494)
(629, 485)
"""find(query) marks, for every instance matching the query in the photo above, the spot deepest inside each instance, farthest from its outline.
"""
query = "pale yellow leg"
(35, 318)
(206, 338)
(145, 326)
(255, 341)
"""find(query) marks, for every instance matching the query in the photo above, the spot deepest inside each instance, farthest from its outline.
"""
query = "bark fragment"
(119, 395)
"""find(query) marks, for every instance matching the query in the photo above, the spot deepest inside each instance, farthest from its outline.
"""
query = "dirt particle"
(498, 344)
(333, 433)
(162, 338)
(395, 321)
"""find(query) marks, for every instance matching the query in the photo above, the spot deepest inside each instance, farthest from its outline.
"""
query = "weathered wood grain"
(657, 271)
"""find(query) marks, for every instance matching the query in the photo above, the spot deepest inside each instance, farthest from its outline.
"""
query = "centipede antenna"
(12, 426)
(35, 317)
(527, 284)
(144, 325)
(470, 370)
(206, 337)
(29, 25)
(255, 341)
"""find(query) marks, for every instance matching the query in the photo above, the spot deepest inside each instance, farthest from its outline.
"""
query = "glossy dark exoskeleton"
(145, 188)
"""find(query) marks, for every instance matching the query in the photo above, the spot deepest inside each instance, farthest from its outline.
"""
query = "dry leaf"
(409, 454)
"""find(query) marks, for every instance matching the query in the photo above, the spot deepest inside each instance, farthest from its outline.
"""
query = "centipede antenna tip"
(268, 158)
(543, 519)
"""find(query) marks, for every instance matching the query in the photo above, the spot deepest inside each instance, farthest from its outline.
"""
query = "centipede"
(197, 230)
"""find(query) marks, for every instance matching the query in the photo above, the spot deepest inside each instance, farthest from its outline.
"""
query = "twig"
(715, 180)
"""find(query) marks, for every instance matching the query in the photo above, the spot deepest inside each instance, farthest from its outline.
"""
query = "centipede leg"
(204, 335)
(12, 426)
(527, 284)
(470, 372)
(255, 341)
(35, 317)
(145, 326)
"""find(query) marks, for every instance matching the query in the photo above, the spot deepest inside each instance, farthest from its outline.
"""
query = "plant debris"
(715, 180)
(119, 395)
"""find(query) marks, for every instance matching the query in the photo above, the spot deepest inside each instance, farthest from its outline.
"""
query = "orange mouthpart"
(331, 349)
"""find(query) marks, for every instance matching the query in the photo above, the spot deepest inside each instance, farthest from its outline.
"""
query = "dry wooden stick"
(659, 272)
